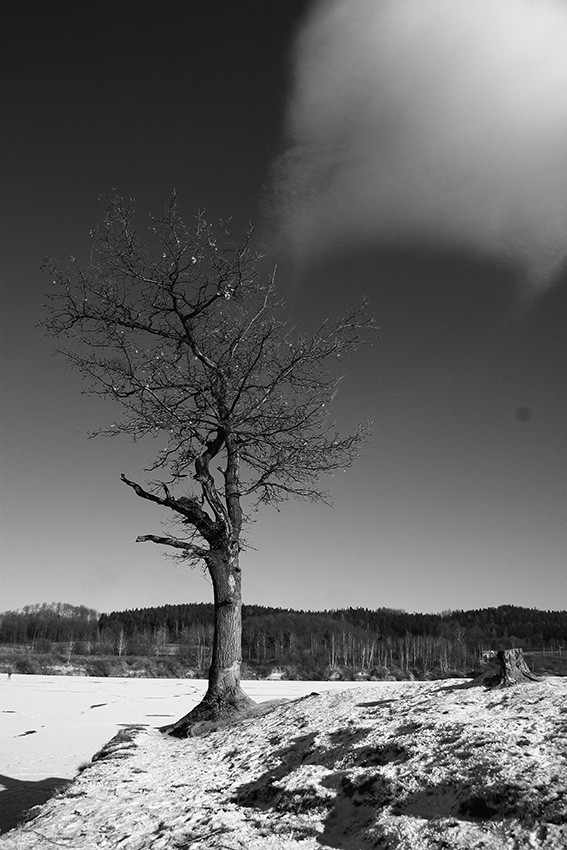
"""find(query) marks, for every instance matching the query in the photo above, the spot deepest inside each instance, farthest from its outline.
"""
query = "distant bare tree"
(182, 333)
(120, 643)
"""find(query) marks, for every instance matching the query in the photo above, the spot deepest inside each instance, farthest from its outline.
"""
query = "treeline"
(529, 626)
(298, 644)
(318, 644)
(54, 622)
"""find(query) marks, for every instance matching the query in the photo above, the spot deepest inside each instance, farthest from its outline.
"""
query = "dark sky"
(460, 499)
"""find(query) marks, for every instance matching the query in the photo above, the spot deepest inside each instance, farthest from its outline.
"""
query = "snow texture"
(405, 765)
(50, 725)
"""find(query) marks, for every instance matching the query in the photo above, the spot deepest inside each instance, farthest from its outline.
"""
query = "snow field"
(396, 765)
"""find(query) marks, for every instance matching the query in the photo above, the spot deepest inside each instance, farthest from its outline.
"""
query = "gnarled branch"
(186, 506)
(190, 549)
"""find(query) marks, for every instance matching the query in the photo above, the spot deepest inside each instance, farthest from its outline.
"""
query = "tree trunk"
(224, 697)
(512, 670)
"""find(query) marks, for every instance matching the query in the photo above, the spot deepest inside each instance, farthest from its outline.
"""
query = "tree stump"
(512, 670)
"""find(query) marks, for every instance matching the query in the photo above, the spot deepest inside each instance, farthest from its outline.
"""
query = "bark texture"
(512, 670)
(224, 697)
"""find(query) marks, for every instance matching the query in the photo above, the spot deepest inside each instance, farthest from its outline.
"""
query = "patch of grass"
(84, 766)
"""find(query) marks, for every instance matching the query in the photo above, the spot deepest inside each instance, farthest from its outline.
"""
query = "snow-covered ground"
(50, 725)
(404, 765)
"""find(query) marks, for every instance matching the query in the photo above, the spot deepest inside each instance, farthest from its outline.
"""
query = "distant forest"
(299, 644)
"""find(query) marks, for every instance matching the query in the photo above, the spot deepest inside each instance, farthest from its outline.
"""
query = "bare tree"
(185, 335)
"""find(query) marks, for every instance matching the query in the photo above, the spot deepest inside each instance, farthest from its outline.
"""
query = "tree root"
(200, 721)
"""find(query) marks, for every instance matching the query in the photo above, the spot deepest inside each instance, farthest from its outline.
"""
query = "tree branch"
(187, 506)
(196, 351)
(167, 541)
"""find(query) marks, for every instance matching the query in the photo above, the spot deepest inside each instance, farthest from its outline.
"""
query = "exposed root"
(213, 710)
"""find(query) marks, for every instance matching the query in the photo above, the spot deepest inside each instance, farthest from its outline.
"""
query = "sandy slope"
(393, 765)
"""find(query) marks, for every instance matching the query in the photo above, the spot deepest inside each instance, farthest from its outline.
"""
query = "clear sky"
(431, 179)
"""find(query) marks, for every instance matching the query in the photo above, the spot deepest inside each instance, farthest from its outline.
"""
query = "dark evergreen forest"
(295, 644)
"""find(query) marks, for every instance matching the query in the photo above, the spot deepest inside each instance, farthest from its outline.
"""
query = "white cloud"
(436, 123)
